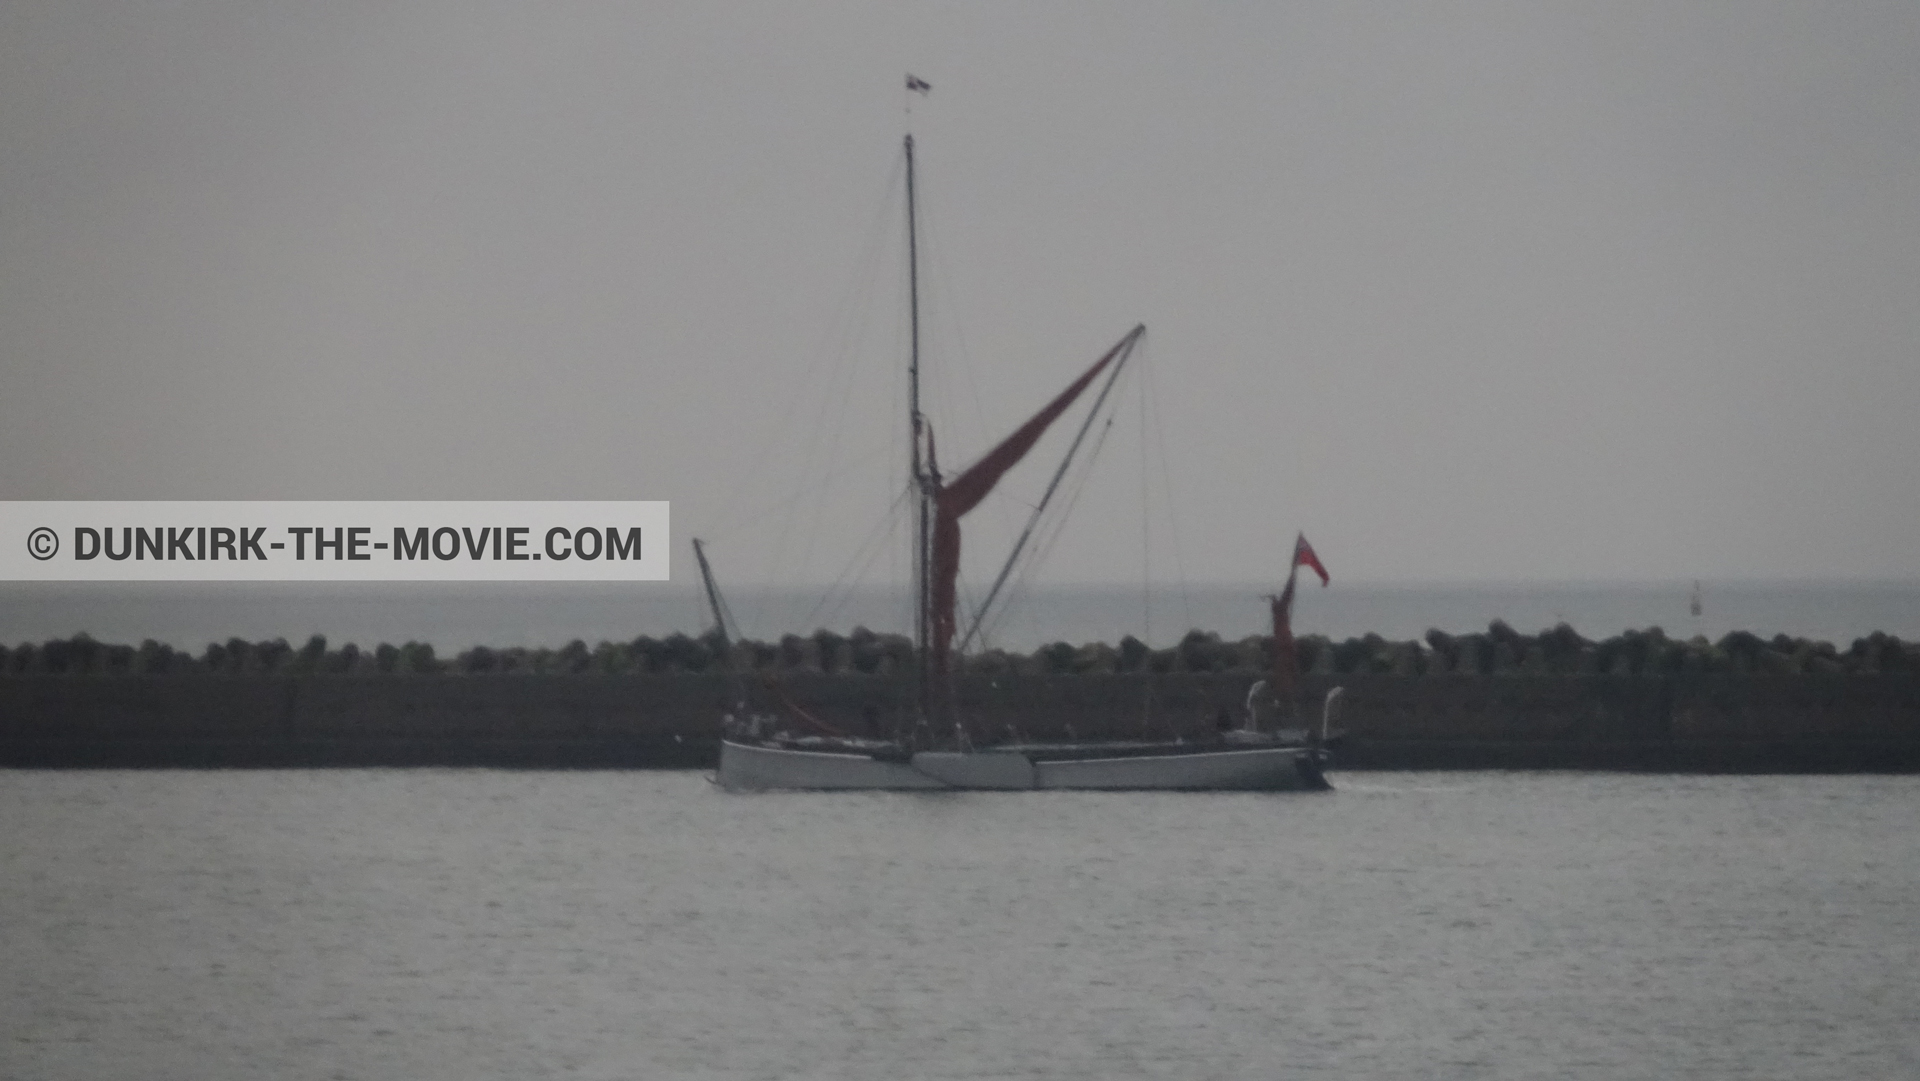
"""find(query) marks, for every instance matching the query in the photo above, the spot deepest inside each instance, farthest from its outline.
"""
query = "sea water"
(467, 923)
(456, 616)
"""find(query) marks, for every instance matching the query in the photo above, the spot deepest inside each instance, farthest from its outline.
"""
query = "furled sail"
(1285, 681)
(969, 488)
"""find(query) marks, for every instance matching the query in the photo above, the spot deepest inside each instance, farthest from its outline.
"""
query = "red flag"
(1303, 557)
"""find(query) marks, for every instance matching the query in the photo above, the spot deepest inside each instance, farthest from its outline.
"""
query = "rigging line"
(943, 289)
(1054, 526)
(841, 394)
(980, 620)
(846, 595)
(949, 316)
(854, 571)
(837, 331)
(1057, 527)
(900, 477)
(809, 528)
(818, 488)
(850, 327)
(817, 493)
(838, 428)
(1051, 531)
(901, 557)
(1093, 414)
(964, 592)
(1146, 529)
(1025, 586)
(772, 682)
(868, 549)
(940, 378)
(802, 516)
(1150, 384)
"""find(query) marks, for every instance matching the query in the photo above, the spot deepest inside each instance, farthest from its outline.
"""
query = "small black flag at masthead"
(914, 82)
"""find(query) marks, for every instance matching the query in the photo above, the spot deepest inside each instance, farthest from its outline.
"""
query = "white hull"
(745, 766)
(1240, 769)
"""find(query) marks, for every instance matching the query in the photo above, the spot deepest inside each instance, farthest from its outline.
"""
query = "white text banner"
(334, 541)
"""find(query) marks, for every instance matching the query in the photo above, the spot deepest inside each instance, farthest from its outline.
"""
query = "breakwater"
(1500, 699)
(1707, 723)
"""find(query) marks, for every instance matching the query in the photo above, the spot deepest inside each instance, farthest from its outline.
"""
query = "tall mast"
(922, 470)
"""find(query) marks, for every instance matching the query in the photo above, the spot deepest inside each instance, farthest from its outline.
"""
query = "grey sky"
(1480, 291)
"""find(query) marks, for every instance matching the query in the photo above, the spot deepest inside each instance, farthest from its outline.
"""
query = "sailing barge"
(933, 748)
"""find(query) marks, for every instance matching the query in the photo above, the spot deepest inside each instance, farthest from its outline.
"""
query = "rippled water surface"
(464, 924)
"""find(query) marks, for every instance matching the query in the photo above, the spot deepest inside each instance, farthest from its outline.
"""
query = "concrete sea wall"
(1682, 721)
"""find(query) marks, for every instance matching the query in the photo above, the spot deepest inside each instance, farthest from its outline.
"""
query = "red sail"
(969, 488)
